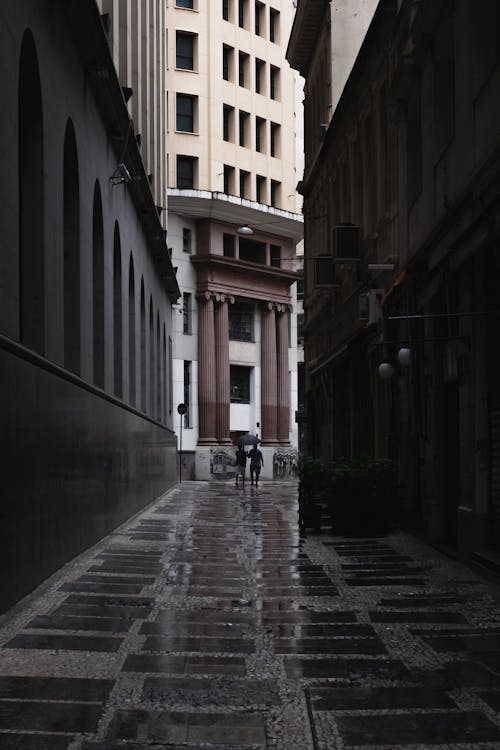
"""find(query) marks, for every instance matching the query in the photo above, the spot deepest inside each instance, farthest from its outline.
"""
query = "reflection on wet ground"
(208, 621)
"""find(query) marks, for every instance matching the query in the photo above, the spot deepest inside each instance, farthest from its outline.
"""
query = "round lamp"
(386, 370)
(404, 356)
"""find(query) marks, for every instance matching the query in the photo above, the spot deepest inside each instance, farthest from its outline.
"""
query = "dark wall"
(75, 463)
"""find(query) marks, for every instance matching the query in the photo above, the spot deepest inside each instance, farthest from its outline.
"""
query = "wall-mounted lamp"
(121, 174)
(245, 229)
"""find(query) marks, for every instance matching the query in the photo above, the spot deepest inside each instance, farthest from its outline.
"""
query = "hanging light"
(245, 229)
(386, 370)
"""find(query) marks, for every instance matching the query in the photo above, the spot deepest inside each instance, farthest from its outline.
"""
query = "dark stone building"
(411, 156)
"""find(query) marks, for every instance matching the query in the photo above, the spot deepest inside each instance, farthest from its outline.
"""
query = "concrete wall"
(77, 458)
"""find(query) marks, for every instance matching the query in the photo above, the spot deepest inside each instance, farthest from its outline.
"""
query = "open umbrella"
(248, 439)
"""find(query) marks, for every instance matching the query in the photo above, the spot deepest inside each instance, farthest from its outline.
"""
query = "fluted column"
(206, 369)
(222, 368)
(269, 390)
(283, 376)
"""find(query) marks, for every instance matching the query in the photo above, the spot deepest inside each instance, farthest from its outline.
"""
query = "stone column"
(206, 369)
(269, 382)
(283, 376)
(222, 368)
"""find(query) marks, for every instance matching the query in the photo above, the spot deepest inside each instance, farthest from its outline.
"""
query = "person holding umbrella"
(242, 455)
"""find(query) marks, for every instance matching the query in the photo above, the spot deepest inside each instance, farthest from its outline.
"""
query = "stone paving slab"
(207, 621)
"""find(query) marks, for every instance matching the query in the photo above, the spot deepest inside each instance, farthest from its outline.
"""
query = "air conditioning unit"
(346, 243)
(324, 272)
(370, 308)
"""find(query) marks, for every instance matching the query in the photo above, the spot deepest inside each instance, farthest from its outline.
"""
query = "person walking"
(241, 464)
(256, 463)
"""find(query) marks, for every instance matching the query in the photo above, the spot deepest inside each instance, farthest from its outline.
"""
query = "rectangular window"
(259, 18)
(444, 84)
(274, 25)
(252, 251)
(486, 41)
(259, 75)
(184, 51)
(185, 172)
(184, 4)
(414, 146)
(244, 180)
(241, 321)
(260, 134)
(186, 240)
(228, 245)
(244, 120)
(274, 91)
(260, 189)
(227, 62)
(228, 123)
(240, 384)
(275, 139)
(225, 9)
(243, 60)
(275, 193)
(242, 13)
(275, 255)
(186, 313)
(228, 179)
(185, 113)
(187, 393)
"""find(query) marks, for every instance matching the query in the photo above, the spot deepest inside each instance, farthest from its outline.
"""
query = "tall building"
(233, 227)
(86, 283)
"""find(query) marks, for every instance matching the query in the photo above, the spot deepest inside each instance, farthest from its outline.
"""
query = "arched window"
(98, 286)
(31, 201)
(151, 359)
(131, 330)
(117, 313)
(143, 348)
(71, 243)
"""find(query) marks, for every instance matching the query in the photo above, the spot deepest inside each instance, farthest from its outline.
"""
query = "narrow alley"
(206, 621)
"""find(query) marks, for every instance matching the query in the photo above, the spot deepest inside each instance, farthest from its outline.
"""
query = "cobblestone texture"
(207, 621)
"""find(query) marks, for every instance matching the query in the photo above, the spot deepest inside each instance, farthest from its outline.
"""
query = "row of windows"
(261, 142)
(186, 58)
(265, 24)
(267, 192)
(265, 21)
(265, 84)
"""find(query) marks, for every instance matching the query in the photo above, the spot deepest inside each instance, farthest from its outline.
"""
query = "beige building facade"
(233, 223)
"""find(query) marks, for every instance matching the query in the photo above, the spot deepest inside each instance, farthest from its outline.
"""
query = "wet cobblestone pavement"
(207, 622)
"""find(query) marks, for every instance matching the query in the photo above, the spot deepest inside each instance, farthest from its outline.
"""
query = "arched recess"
(71, 243)
(158, 368)
(31, 200)
(98, 286)
(131, 330)
(143, 347)
(164, 378)
(151, 358)
(117, 313)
